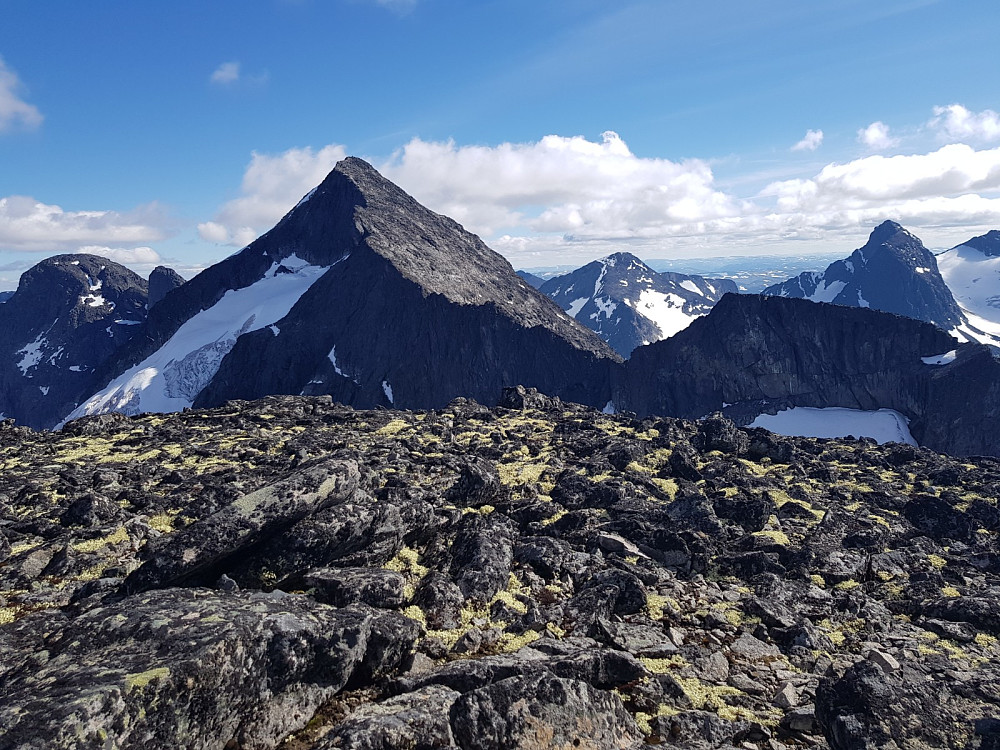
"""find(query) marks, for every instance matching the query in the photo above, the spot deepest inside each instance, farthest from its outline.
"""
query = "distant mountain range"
(362, 294)
(628, 304)
(894, 272)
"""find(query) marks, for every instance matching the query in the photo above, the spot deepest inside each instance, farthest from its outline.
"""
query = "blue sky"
(559, 131)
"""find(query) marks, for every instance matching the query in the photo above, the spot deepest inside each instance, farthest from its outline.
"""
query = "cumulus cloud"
(227, 73)
(30, 225)
(271, 186)
(876, 136)
(954, 169)
(14, 111)
(569, 199)
(559, 185)
(956, 123)
(812, 141)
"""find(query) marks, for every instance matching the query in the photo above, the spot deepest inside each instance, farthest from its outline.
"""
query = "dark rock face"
(166, 669)
(162, 280)
(754, 353)
(893, 272)
(988, 244)
(629, 304)
(69, 315)
(403, 307)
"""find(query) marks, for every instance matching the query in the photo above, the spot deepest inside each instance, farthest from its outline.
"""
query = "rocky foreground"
(293, 573)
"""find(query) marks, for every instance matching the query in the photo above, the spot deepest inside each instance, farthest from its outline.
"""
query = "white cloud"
(271, 186)
(955, 122)
(876, 136)
(227, 73)
(812, 141)
(30, 225)
(142, 257)
(559, 184)
(13, 109)
(875, 181)
(568, 199)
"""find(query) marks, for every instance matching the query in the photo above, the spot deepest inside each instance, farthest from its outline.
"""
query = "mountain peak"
(988, 244)
(885, 232)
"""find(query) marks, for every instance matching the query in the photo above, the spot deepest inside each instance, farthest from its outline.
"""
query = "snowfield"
(884, 425)
(171, 378)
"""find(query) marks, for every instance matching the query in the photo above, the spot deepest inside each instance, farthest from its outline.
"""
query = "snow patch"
(76, 368)
(692, 287)
(884, 425)
(31, 354)
(96, 300)
(44, 389)
(387, 389)
(609, 408)
(827, 292)
(576, 305)
(124, 322)
(666, 311)
(275, 330)
(605, 306)
(940, 359)
(307, 196)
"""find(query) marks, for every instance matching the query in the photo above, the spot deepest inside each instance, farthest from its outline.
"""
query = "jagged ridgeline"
(294, 573)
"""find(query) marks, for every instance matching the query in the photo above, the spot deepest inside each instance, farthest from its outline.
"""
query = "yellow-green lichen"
(118, 536)
(139, 680)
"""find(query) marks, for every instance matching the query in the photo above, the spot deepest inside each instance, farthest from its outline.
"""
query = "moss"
(520, 472)
(776, 536)
(985, 640)
(415, 613)
(557, 631)
(7, 615)
(707, 697)
(818, 580)
(393, 428)
(553, 518)
(407, 560)
(655, 604)
(141, 679)
(119, 536)
(950, 591)
(164, 522)
(510, 642)
(664, 665)
(667, 486)
(847, 585)
(936, 561)
(20, 547)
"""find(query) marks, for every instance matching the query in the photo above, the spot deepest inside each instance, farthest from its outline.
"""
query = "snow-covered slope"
(172, 377)
(972, 272)
(629, 304)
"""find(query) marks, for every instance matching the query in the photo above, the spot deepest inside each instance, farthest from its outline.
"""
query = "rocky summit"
(294, 573)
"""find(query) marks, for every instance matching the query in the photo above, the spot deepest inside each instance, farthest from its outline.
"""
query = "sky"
(176, 133)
